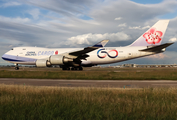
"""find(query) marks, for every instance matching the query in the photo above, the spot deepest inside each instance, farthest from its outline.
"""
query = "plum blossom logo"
(153, 36)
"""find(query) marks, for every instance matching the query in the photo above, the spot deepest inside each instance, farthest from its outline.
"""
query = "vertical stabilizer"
(153, 36)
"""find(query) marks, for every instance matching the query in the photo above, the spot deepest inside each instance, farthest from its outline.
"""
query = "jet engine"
(54, 60)
(42, 63)
(59, 60)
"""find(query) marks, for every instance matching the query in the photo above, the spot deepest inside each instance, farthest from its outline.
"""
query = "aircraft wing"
(89, 49)
(156, 48)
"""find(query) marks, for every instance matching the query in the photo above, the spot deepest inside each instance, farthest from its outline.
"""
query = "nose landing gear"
(16, 67)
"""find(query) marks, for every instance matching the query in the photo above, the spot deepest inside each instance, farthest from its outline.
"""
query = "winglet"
(101, 44)
(89, 49)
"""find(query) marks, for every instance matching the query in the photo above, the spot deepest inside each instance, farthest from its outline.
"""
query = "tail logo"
(102, 53)
(153, 36)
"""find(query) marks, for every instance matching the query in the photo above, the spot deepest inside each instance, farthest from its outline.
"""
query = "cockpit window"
(12, 49)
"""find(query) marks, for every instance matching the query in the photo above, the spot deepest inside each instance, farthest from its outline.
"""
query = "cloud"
(158, 56)
(139, 27)
(10, 4)
(90, 38)
(35, 13)
(69, 8)
(119, 18)
(122, 25)
(173, 40)
(66, 23)
(146, 27)
(17, 19)
(62, 20)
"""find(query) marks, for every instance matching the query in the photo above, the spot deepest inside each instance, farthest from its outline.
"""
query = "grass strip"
(26, 102)
(99, 74)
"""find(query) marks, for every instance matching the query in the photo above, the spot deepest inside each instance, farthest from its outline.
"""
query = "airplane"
(147, 44)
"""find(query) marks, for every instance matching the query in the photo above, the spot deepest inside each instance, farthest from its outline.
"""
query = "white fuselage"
(106, 55)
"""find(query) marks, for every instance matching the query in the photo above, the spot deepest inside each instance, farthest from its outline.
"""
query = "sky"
(82, 23)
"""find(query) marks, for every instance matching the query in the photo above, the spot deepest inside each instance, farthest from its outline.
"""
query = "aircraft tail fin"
(153, 36)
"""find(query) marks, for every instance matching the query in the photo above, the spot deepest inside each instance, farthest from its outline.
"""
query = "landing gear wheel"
(16, 68)
(80, 68)
(64, 68)
(72, 68)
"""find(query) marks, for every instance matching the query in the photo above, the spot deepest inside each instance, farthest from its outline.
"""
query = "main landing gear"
(72, 68)
(16, 67)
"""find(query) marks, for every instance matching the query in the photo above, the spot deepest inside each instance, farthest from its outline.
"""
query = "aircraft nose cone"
(3, 57)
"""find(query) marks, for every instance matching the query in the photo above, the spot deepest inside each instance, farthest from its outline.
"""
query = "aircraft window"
(12, 49)
(24, 49)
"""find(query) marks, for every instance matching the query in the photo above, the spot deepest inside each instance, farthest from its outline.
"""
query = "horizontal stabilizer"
(156, 48)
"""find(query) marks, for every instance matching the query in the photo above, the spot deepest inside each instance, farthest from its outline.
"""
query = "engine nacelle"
(54, 60)
(59, 60)
(42, 63)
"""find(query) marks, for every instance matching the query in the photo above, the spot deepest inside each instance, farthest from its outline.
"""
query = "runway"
(90, 83)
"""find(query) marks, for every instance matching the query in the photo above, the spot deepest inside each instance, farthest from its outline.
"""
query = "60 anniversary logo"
(107, 53)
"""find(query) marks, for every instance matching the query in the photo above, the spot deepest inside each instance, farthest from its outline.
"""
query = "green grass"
(94, 73)
(25, 102)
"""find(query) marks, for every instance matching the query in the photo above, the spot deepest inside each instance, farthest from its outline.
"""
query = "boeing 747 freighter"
(75, 58)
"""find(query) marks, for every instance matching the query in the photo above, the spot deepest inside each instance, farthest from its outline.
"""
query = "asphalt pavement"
(90, 83)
